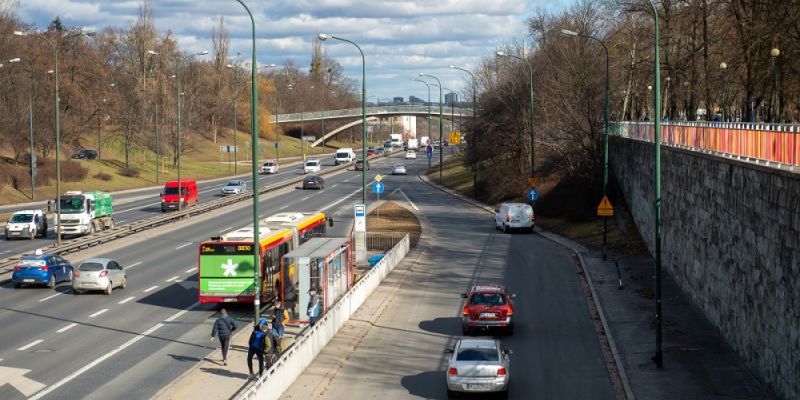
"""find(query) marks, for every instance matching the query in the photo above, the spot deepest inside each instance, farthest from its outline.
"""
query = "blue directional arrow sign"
(378, 187)
(533, 195)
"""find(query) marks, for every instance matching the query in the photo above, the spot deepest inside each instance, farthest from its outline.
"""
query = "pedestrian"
(280, 316)
(223, 328)
(313, 307)
(257, 346)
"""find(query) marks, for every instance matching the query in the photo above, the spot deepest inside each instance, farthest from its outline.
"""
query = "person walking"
(313, 307)
(223, 328)
(280, 316)
(258, 346)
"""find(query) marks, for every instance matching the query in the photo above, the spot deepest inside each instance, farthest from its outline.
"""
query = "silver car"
(399, 170)
(478, 366)
(98, 274)
(234, 187)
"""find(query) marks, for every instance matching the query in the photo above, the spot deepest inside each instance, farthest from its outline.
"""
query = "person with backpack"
(280, 316)
(313, 307)
(223, 329)
(258, 344)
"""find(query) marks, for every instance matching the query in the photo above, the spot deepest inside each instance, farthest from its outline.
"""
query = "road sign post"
(378, 188)
(360, 232)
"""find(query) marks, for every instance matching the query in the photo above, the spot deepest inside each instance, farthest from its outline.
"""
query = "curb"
(578, 250)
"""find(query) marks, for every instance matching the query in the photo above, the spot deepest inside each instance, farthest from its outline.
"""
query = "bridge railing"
(355, 112)
(778, 143)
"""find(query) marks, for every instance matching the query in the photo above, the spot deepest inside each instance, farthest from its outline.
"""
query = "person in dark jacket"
(259, 345)
(223, 328)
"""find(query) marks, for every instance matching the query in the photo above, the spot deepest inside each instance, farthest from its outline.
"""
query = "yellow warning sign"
(533, 182)
(605, 209)
(378, 178)
(455, 137)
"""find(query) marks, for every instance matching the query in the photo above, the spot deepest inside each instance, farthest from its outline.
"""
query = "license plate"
(29, 280)
(15, 233)
(230, 300)
(476, 386)
(488, 315)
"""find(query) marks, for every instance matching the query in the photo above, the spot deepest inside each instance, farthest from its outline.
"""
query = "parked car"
(411, 155)
(380, 151)
(188, 197)
(478, 365)
(510, 216)
(486, 307)
(313, 182)
(85, 155)
(399, 170)
(40, 268)
(360, 165)
(269, 167)
(26, 224)
(99, 274)
(312, 165)
(235, 186)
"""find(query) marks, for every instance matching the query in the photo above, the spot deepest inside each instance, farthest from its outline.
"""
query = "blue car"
(42, 269)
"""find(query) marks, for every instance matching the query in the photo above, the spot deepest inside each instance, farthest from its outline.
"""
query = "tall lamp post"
(723, 68)
(473, 141)
(776, 102)
(530, 69)
(178, 60)
(324, 37)
(441, 124)
(254, 139)
(429, 111)
(54, 45)
(567, 32)
(235, 111)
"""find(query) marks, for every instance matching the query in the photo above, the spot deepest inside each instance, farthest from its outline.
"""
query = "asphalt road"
(130, 344)
(399, 353)
(141, 204)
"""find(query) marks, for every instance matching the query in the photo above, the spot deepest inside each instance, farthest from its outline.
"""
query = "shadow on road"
(449, 326)
(427, 385)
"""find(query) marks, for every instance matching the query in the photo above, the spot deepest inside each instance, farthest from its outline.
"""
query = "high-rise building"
(450, 98)
(415, 100)
(397, 100)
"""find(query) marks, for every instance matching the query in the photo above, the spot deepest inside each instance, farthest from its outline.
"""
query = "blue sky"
(399, 37)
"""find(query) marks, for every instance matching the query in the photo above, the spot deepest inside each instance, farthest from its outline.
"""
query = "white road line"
(342, 199)
(172, 279)
(31, 344)
(305, 198)
(151, 288)
(126, 300)
(133, 265)
(193, 269)
(49, 297)
(183, 245)
(346, 180)
(226, 229)
(4, 252)
(333, 186)
(66, 328)
(110, 354)
(121, 221)
(284, 207)
(135, 208)
(408, 200)
(98, 313)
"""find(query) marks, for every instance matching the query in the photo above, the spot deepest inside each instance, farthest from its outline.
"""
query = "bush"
(129, 172)
(72, 171)
(102, 176)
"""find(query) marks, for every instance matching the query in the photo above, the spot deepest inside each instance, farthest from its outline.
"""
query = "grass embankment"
(393, 218)
(201, 161)
(622, 235)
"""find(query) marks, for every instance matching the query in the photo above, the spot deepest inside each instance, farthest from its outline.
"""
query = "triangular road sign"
(605, 209)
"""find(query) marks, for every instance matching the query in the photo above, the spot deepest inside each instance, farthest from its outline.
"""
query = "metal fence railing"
(777, 143)
(383, 241)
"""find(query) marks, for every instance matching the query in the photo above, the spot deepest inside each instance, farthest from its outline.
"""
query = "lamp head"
(500, 54)
(723, 65)
(567, 32)
(20, 33)
(202, 53)
(153, 53)
(14, 60)
(775, 52)
(228, 66)
(88, 32)
(323, 37)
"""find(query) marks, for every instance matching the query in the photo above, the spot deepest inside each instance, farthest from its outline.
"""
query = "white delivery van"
(517, 216)
(345, 155)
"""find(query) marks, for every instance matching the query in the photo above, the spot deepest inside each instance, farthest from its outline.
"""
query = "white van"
(514, 216)
(345, 155)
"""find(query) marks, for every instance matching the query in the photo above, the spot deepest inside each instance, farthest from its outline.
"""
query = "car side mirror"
(448, 351)
(463, 295)
(330, 222)
(514, 296)
(509, 351)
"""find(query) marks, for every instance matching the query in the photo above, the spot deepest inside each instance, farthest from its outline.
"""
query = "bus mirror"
(330, 222)
(216, 238)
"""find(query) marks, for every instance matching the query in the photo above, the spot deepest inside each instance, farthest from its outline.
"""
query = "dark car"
(360, 165)
(313, 182)
(488, 306)
(85, 155)
(43, 269)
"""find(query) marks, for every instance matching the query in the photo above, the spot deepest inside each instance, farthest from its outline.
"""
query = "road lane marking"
(66, 328)
(151, 288)
(172, 279)
(284, 207)
(408, 200)
(346, 180)
(110, 354)
(133, 265)
(305, 198)
(98, 313)
(333, 186)
(126, 300)
(341, 200)
(31, 344)
(49, 297)
(226, 229)
(191, 269)
(135, 208)
(182, 246)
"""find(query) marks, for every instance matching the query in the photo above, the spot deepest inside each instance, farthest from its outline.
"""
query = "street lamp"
(567, 32)
(473, 141)
(177, 76)
(686, 103)
(235, 102)
(530, 69)
(776, 102)
(429, 111)
(441, 123)
(54, 45)
(323, 37)
(723, 68)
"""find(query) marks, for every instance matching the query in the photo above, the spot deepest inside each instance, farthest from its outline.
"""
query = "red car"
(488, 306)
(372, 152)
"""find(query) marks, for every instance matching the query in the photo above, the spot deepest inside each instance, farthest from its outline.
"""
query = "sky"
(400, 38)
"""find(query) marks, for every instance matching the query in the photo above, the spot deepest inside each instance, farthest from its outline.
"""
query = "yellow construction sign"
(605, 209)
(455, 137)
(533, 182)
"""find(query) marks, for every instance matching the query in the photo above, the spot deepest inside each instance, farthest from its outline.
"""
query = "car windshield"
(234, 183)
(21, 218)
(90, 266)
(312, 163)
(488, 299)
(268, 164)
(72, 205)
(477, 354)
(174, 190)
(343, 154)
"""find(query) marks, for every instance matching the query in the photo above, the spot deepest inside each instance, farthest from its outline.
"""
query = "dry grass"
(393, 219)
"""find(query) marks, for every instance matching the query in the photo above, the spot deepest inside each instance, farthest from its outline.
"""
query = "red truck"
(170, 199)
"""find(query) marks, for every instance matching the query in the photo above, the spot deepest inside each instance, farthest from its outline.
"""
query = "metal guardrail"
(85, 242)
(356, 112)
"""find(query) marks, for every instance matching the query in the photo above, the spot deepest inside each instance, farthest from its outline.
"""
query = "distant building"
(450, 98)
(415, 100)
(397, 100)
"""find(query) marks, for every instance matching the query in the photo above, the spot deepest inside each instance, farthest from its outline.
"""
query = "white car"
(26, 224)
(411, 155)
(478, 366)
(98, 274)
(269, 167)
(514, 216)
(399, 170)
(312, 165)
(235, 186)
